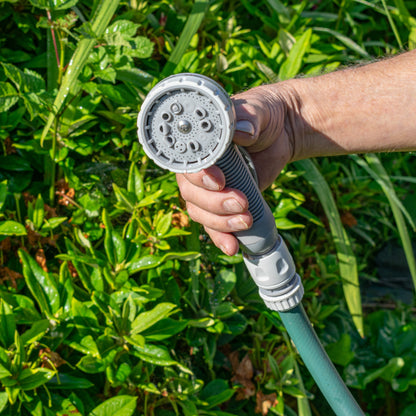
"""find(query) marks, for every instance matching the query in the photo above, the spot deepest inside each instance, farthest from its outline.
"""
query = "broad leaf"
(116, 406)
(147, 319)
(41, 284)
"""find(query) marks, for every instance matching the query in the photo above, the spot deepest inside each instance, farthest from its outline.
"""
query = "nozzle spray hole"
(164, 128)
(206, 125)
(170, 141)
(193, 146)
(200, 112)
(167, 116)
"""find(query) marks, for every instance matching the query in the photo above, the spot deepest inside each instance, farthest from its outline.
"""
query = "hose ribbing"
(318, 363)
(238, 176)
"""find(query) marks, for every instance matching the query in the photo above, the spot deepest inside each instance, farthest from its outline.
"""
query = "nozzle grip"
(262, 236)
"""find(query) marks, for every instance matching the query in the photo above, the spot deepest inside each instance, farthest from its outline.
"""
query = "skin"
(369, 108)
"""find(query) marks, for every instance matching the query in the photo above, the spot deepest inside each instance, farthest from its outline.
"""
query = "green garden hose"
(318, 363)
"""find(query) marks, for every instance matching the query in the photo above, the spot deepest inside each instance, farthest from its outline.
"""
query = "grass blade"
(99, 22)
(293, 63)
(347, 261)
(348, 42)
(191, 27)
(374, 167)
(392, 24)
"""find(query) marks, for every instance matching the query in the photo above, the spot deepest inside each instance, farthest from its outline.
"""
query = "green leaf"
(223, 284)
(14, 74)
(108, 240)
(83, 316)
(348, 42)
(119, 245)
(125, 200)
(8, 96)
(340, 352)
(280, 9)
(124, 28)
(147, 319)
(292, 65)
(68, 382)
(54, 4)
(150, 199)
(15, 163)
(164, 329)
(149, 262)
(4, 399)
(379, 174)
(35, 332)
(347, 261)
(216, 392)
(408, 411)
(30, 379)
(3, 194)
(154, 355)
(116, 406)
(141, 47)
(7, 324)
(27, 81)
(102, 16)
(134, 76)
(191, 27)
(120, 94)
(387, 372)
(4, 372)
(135, 182)
(39, 212)
(105, 303)
(164, 223)
(41, 284)
(95, 365)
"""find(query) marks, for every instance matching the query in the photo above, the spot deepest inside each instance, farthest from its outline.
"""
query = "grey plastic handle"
(186, 124)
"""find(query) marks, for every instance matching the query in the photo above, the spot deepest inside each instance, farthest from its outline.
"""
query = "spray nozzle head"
(186, 123)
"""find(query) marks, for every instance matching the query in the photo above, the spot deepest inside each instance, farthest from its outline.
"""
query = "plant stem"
(53, 38)
(53, 166)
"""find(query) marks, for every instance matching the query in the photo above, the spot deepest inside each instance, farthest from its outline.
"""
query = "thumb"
(244, 134)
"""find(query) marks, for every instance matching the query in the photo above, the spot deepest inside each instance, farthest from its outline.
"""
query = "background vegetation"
(112, 302)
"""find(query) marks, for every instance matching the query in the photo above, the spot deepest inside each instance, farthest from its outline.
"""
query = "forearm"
(370, 108)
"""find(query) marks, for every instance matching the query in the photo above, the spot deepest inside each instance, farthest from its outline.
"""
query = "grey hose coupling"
(274, 272)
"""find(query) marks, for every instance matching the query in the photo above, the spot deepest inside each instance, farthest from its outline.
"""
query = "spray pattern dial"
(186, 124)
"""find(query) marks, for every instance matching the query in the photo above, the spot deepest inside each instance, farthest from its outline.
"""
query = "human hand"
(261, 128)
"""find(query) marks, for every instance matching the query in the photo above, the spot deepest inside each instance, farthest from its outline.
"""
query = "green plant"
(111, 302)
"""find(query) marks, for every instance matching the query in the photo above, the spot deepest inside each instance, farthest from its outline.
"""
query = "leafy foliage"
(111, 302)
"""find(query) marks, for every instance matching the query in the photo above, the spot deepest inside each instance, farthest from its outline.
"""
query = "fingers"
(225, 202)
(220, 210)
(222, 223)
(226, 242)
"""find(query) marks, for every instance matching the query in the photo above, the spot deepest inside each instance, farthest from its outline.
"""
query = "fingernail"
(232, 205)
(223, 249)
(245, 126)
(237, 223)
(210, 183)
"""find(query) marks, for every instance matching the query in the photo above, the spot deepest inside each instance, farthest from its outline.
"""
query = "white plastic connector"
(275, 275)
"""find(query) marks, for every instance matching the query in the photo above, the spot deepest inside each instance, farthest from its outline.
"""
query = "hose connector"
(274, 272)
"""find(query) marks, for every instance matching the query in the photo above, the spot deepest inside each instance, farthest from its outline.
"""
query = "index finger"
(210, 178)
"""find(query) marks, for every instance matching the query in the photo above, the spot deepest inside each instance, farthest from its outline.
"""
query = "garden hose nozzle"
(186, 124)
